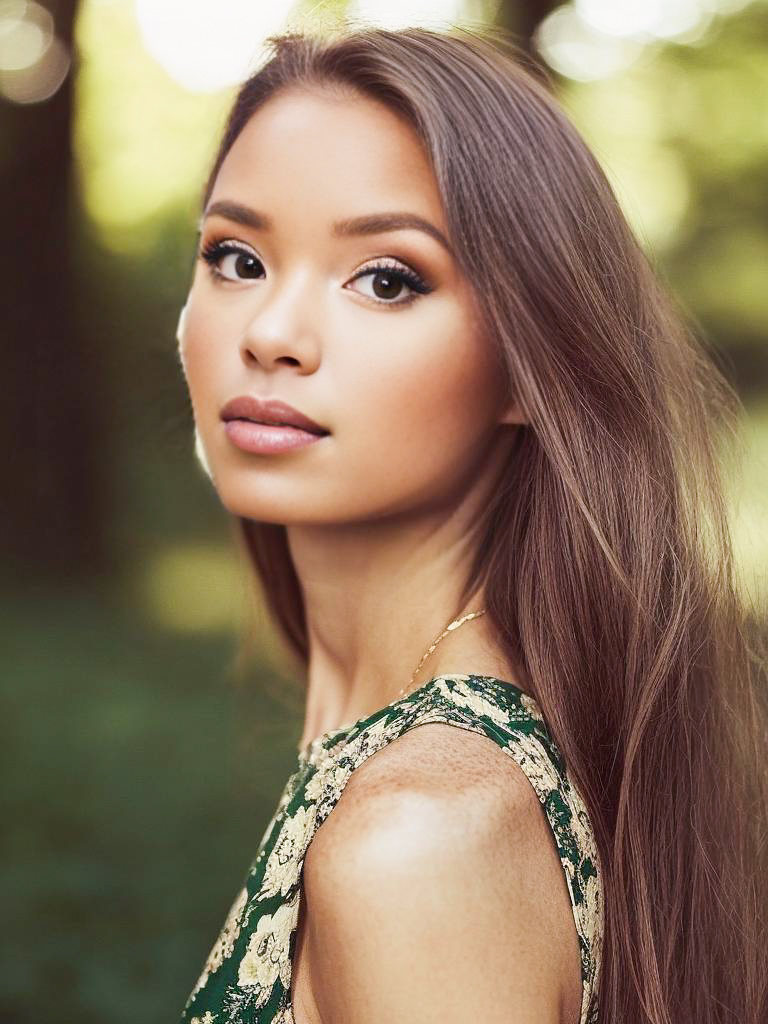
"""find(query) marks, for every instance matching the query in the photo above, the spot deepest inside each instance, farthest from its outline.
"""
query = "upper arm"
(432, 906)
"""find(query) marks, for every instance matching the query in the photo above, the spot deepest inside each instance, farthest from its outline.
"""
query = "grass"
(139, 782)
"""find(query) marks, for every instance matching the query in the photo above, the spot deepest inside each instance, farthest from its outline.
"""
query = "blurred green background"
(143, 757)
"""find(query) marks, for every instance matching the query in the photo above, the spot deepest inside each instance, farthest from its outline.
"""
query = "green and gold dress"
(247, 976)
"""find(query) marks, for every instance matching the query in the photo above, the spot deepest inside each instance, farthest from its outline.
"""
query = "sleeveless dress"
(247, 976)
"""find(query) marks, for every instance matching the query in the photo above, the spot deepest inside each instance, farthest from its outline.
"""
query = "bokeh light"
(578, 50)
(592, 39)
(194, 587)
(26, 31)
(652, 18)
(207, 46)
(33, 61)
(399, 13)
(142, 139)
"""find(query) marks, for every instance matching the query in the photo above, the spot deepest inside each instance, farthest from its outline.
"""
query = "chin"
(243, 503)
(260, 511)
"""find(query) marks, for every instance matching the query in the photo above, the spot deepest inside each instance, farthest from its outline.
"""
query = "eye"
(232, 261)
(388, 278)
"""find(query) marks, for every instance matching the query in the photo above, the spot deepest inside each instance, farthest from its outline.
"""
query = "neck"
(377, 594)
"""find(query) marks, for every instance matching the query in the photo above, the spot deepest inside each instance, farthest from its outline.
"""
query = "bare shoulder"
(434, 891)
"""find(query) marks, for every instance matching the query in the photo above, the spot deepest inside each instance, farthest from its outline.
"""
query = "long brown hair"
(605, 555)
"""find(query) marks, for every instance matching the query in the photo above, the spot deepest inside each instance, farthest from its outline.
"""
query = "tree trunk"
(522, 19)
(52, 495)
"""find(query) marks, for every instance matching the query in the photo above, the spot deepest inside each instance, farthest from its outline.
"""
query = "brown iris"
(386, 284)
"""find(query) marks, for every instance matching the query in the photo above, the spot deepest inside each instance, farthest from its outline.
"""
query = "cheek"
(426, 414)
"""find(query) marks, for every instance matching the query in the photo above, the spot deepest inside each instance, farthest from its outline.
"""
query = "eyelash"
(213, 252)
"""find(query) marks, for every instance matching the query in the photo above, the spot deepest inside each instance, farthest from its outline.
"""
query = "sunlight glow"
(660, 18)
(143, 142)
(400, 13)
(207, 46)
(749, 509)
(194, 586)
(591, 39)
(578, 50)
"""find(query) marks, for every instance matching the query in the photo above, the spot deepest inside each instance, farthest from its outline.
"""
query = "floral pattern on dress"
(290, 846)
(247, 976)
(460, 692)
(266, 955)
(576, 844)
(223, 946)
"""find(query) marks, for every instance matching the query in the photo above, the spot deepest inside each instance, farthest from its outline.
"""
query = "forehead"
(346, 151)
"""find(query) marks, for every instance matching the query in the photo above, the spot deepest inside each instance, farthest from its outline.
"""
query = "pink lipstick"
(268, 426)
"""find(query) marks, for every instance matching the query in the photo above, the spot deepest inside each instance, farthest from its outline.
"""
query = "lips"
(270, 411)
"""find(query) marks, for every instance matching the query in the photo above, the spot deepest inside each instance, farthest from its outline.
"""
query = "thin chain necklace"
(449, 628)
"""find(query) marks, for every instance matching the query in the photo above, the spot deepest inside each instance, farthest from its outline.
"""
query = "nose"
(281, 328)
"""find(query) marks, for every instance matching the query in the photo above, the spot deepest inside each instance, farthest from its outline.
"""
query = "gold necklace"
(449, 628)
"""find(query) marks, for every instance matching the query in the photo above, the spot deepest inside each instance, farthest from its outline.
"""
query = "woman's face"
(368, 329)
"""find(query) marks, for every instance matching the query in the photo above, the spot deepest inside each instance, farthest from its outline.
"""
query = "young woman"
(473, 453)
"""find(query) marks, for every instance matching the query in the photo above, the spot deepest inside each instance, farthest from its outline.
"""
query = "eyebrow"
(372, 224)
